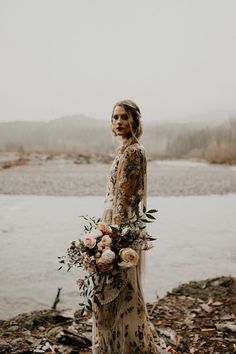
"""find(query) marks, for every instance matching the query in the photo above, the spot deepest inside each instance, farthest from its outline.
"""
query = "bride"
(120, 323)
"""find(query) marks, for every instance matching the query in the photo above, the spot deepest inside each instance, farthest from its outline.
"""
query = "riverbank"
(197, 317)
(73, 176)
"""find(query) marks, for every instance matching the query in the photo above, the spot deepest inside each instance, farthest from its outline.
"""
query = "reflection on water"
(196, 240)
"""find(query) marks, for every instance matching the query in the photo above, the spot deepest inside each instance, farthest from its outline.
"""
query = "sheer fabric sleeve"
(129, 184)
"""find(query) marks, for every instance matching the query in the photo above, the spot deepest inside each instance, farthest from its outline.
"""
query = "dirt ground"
(195, 318)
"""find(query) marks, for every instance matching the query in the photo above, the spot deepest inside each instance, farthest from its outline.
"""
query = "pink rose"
(89, 241)
(106, 229)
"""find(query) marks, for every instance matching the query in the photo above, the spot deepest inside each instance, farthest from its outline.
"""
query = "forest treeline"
(210, 142)
(203, 141)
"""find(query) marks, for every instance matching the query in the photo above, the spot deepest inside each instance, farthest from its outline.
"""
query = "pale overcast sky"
(175, 58)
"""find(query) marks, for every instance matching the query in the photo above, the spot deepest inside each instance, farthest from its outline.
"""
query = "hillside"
(79, 133)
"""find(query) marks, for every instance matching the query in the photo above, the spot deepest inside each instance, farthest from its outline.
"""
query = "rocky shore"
(81, 175)
(195, 318)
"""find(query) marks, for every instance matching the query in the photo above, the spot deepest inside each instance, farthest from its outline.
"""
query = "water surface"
(196, 240)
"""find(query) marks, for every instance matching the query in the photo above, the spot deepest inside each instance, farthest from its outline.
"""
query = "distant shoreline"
(76, 174)
(11, 158)
(92, 139)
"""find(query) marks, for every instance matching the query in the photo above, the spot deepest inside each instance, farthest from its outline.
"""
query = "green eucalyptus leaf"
(90, 303)
(150, 216)
(152, 211)
(145, 220)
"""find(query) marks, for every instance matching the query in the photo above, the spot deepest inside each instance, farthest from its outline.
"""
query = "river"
(196, 239)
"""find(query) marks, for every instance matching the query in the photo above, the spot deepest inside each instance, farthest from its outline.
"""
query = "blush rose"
(89, 241)
(104, 228)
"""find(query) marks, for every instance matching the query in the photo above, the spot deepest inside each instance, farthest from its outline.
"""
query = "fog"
(176, 59)
(78, 134)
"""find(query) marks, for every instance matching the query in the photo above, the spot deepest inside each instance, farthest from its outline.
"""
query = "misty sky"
(175, 58)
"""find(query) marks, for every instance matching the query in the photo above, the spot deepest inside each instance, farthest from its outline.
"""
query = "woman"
(121, 324)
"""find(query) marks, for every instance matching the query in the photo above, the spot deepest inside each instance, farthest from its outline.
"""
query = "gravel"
(65, 178)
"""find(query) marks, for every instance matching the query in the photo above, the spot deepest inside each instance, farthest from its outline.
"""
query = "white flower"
(96, 233)
(108, 256)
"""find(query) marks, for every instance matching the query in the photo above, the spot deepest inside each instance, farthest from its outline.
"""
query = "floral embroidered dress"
(120, 323)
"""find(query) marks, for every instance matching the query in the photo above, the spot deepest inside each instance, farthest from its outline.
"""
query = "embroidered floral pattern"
(122, 325)
(129, 171)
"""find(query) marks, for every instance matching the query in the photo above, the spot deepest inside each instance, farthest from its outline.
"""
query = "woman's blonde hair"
(133, 111)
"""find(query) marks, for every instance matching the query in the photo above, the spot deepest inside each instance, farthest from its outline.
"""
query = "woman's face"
(121, 122)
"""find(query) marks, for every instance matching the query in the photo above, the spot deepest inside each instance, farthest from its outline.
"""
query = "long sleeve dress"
(121, 323)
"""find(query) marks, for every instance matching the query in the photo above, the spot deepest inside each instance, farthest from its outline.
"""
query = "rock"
(169, 333)
(227, 317)
(37, 342)
(26, 333)
(4, 346)
(188, 322)
(68, 338)
(217, 303)
(44, 318)
(39, 351)
(41, 328)
(46, 346)
(3, 342)
(67, 314)
(197, 310)
(54, 331)
(13, 328)
(206, 308)
(16, 341)
(231, 326)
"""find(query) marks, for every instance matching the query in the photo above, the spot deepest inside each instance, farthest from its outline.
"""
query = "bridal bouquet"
(105, 249)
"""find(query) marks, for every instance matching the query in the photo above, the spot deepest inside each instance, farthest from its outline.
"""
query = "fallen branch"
(57, 299)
